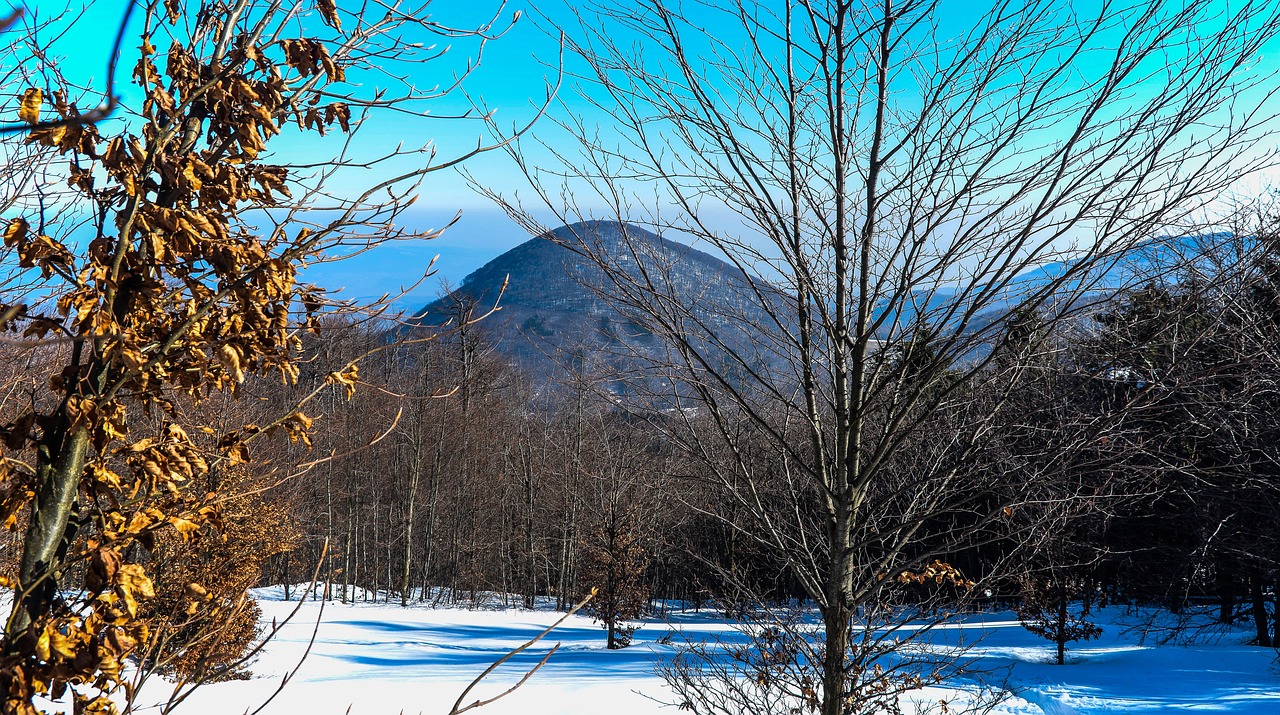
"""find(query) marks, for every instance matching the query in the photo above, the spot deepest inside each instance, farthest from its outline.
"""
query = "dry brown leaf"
(29, 110)
(329, 11)
(133, 584)
(186, 529)
(229, 356)
(16, 232)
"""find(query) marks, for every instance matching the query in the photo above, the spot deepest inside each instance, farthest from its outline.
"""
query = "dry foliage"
(113, 471)
(616, 564)
(1057, 607)
(201, 618)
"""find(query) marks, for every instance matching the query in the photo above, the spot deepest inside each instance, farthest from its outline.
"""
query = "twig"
(459, 708)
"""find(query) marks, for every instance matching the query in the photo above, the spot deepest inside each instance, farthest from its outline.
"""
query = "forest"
(1130, 456)
(976, 318)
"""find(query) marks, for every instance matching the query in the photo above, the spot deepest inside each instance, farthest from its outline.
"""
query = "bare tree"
(895, 178)
(625, 476)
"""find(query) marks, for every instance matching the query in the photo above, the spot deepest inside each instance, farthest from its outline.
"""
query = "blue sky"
(511, 78)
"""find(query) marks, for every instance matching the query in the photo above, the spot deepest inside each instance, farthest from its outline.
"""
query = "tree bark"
(1275, 614)
(48, 535)
(837, 619)
(1062, 630)
(1261, 621)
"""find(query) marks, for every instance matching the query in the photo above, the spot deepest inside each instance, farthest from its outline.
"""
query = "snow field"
(376, 659)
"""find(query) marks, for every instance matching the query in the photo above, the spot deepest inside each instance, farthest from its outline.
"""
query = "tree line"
(1130, 456)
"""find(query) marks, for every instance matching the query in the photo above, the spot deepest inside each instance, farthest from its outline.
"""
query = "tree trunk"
(531, 560)
(1261, 622)
(376, 561)
(428, 548)
(48, 535)
(328, 532)
(415, 475)
(1226, 593)
(1275, 614)
(1061, 631)
(837, 621)
(348, 553)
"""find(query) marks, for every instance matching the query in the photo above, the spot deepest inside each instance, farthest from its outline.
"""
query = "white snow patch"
(382, 659)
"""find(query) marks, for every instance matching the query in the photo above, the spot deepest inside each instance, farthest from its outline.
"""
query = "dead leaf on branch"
(29, 110)
(310, 57)
(183, 298)
(16, 232)
(338, 112)
(329, 11)
(230, 358)
(133, 583)
(104, 563)
(347, 378)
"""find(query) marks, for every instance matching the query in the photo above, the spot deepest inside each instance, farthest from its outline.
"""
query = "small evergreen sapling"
(1050, 609)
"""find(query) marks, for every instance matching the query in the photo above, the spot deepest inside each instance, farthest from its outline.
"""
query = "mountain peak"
(555, 302)
(609, 236)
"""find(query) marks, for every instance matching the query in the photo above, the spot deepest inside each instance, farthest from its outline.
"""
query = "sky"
(512, 77)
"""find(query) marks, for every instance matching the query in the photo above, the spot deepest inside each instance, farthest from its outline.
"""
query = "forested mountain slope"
(559, 311)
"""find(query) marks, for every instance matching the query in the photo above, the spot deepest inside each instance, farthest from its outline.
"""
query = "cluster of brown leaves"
(83, 648)
(201, 617)
(177, 297)
(616, 563)
(938, 573)
(1056, 607)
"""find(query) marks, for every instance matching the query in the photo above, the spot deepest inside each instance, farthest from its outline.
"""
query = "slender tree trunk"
(1061, 630)
(1261, 621)
(328, 531)
(568, 575)
(433, 490)
(1275, 614)
(387, 550)
(377, 542)
(348, 553)
(837, 613)
(504, 540)
(1226, 592)
(361, 578)
(415, 474)
(531, 562)
(1226, 605)
(49, 532)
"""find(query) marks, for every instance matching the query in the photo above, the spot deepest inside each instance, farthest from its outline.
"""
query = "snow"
(381, 658)
(1123, 673)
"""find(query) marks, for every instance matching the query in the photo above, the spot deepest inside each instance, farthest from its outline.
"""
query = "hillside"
(560, 313)
(559, 310)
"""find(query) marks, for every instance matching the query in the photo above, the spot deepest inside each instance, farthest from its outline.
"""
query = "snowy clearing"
(377, 658)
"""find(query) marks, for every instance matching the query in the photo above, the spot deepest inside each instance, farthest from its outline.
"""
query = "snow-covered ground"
(376, 659)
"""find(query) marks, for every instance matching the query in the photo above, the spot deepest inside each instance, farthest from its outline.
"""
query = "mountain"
(559, 309)
(1164, 258)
